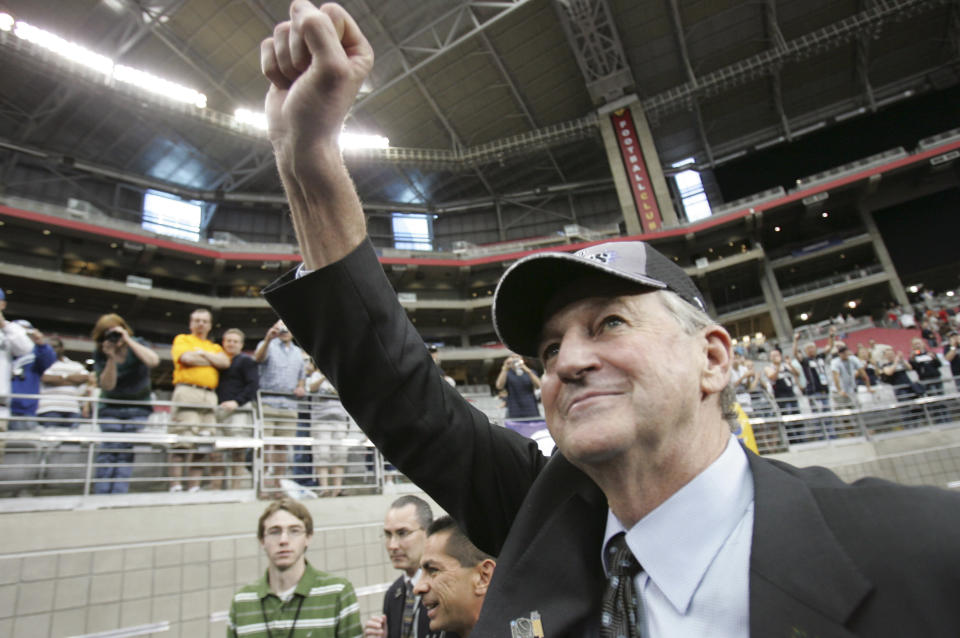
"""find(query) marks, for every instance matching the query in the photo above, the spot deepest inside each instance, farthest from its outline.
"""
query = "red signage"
(643, 197)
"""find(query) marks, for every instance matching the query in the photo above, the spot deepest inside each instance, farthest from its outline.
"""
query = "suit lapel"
(802, 582)
(553, 554)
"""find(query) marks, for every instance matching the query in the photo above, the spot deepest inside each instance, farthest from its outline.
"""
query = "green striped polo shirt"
(329, 609)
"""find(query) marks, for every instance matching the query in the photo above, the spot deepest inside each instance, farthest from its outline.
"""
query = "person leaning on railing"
(122, 364)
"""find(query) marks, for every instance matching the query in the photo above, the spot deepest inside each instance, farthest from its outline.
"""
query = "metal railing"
(158, 447)
(310, 448)
(781, 424)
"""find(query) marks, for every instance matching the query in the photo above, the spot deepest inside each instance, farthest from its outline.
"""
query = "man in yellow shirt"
(196, 365)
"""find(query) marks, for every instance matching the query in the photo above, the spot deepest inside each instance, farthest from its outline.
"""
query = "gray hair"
(692, 321)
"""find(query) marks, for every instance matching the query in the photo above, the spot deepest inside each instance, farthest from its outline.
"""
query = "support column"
(637, 174)
(880, 248)
(774, 299)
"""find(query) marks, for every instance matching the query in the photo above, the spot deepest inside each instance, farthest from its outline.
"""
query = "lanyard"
(266, 623)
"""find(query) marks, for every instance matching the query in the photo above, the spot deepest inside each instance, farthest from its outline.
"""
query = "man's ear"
(718, 349)
(482, 575)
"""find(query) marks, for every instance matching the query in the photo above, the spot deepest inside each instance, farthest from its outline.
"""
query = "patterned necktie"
(409, 602)
(621, 609)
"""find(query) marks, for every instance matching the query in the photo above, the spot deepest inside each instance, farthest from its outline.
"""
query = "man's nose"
(421, 587)
(577, 354)
(393, 541)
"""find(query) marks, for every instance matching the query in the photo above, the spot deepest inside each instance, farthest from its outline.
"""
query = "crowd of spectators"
(215, 394)
(838, 376)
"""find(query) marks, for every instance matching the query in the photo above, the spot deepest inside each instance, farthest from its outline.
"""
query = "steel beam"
(691, 77)
(596, 45)
(429, 42)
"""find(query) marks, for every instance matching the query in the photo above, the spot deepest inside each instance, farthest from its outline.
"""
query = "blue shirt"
(281, 371)
(25, 375)
(695, 553)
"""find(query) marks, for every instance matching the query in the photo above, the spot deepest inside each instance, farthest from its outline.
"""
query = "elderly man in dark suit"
(651, 519)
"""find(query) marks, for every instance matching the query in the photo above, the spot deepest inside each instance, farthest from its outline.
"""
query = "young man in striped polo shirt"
(292, 600)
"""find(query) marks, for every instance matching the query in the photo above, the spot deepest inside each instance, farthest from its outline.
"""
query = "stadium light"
(851, 304)
(112, 72)
(804, 316)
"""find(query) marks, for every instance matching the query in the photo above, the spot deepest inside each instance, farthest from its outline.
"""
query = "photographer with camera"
(520, 382)
(122, 364)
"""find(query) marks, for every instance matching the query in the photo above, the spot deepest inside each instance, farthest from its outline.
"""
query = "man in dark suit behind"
(404, 533)
(650, 512)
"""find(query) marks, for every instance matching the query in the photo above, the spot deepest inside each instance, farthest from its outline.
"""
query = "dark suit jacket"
(828, 559)
(393, 608)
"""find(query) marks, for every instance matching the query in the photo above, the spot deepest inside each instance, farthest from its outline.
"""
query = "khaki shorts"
(192, 419)
(239, 422)
(330, 434)
(279, 421)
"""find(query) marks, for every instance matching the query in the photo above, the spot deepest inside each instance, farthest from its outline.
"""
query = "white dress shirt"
(694, 550)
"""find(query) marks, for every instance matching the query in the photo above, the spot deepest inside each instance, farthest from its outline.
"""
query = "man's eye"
(612, 321)
(549, 352)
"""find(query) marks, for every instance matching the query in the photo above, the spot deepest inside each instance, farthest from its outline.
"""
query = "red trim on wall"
(710, 222)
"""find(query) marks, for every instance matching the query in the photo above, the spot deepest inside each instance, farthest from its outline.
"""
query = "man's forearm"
(325, 210)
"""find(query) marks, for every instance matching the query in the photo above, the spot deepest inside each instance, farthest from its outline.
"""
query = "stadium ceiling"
(480, 99)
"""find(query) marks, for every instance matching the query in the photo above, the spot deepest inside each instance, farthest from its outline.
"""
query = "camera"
(113, 336)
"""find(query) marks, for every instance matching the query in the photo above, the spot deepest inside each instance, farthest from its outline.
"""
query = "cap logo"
(604, 257)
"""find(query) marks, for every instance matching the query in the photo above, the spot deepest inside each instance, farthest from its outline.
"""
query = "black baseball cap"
(524, 291)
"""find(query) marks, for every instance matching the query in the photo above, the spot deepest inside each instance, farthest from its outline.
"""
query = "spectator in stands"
(927, 366)
(783, 378)
(455, 576)
(846, 369)
(62, 385)
(907, 320)
(520, 382)
(292, 597)
(877, 350)
(928, 333)
(744, 379)
(25, 378)
(236, 392)
(14, 343)
(121, 363)
(197, 362)
(329, 423)
(282, 374)
(893, 371)
(814, 368)
(435, 353)
(950, 351)
(405, 534)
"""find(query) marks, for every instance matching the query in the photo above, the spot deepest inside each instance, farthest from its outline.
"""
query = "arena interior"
(800, 159)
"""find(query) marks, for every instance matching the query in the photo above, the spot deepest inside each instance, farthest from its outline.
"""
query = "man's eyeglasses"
(400, 534)
(292, 532)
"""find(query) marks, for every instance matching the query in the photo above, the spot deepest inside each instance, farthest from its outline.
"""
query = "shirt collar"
(413, 580)
(676, 543)
(303, 587)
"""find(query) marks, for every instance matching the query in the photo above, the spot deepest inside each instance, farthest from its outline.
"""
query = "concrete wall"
(930, 456)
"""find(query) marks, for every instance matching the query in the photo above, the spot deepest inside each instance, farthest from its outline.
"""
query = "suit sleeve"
(348, 317)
